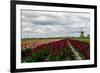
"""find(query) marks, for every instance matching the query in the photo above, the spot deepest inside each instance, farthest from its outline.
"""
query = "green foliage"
(29, 56)
(24, 51)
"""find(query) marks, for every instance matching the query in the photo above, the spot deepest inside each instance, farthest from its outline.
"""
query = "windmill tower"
(81, 33)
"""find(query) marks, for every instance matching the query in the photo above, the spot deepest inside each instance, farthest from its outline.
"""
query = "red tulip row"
(54, 47)
(81, 46)
(54, 50)
(51, 51)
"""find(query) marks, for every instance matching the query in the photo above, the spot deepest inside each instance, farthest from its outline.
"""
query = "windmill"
(81, 33)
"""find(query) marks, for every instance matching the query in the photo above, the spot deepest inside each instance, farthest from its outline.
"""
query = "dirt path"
(74, 51)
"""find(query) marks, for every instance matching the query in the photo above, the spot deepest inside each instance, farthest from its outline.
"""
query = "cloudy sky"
(43, 24)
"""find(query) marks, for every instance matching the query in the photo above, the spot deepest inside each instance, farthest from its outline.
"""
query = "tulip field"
(45, 50)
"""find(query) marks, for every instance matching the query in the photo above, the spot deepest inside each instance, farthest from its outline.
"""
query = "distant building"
(88, 35)
(81, 33)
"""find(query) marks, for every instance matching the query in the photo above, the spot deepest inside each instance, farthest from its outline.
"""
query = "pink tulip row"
(33, 44)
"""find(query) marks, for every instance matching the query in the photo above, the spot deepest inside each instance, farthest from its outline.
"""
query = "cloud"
(50, 24)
